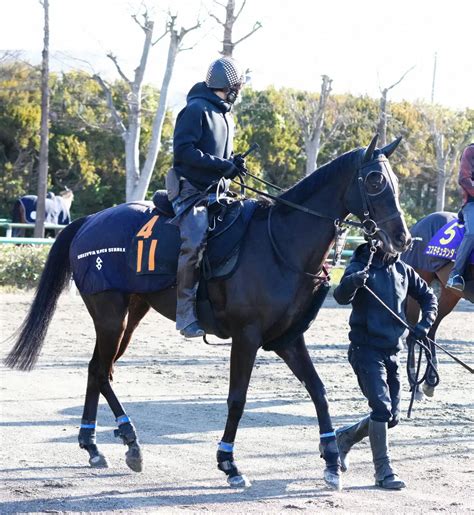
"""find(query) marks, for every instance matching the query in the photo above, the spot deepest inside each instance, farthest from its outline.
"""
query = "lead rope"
(413, 373)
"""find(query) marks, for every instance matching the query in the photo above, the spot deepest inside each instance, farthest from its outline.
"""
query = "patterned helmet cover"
(224, 73)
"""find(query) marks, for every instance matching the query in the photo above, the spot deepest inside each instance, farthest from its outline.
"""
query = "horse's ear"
(369, 151)
(389, 149)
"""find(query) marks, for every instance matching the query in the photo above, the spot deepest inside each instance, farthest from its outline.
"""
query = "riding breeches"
(467, 245)
(193, 226)
(379, 380)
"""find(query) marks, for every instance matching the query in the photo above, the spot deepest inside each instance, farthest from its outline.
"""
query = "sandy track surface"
(175, 392)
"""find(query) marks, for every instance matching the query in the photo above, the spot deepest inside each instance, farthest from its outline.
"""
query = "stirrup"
(456, 282)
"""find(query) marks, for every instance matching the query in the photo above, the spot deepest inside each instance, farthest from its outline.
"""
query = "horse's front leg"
(245, 344)
(298, 360)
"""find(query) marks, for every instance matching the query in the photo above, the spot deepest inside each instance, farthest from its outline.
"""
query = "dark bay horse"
(433, 269)
(271, 289)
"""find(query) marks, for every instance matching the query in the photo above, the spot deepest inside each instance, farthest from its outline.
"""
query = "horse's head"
(373, 197)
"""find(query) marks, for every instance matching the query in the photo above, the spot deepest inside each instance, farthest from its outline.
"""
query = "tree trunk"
(132, 138)
(313, 143)
(440, 169)
(44, 130)
(227, 45)
(147, 171)
(382, 125)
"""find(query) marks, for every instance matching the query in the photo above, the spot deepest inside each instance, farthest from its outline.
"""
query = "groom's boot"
(385, 476)
(348, 436)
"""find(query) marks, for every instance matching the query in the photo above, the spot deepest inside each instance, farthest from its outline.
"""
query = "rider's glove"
(230, 170)
(239, 162)
(359, 278)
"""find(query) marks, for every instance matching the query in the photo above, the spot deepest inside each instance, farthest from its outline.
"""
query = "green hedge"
(21, 265)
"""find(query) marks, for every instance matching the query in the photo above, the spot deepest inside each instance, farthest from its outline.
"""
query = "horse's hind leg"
(298, 360)
(137, 309)
(109, 311)
(87, 432)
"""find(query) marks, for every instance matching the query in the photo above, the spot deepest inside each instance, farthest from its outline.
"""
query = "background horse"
(272, 296)
(431, 269)
(57, 210)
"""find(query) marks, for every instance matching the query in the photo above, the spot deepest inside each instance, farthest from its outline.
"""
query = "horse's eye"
(375, 183)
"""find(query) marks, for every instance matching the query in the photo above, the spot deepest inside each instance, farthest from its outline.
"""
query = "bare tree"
(309, 114)
(44, 129)
(383, 117)
(7, 56)
(228, 44)
(138, 180)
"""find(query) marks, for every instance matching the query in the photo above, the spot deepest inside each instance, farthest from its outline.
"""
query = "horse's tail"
(18, 212)
(18, 216)
(56, 275)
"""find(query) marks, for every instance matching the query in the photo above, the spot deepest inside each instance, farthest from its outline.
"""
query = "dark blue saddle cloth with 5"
(133, 248)
(439, 235)
(445, 242)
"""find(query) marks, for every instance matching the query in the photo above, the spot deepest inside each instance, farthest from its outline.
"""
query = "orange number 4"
(147, 230)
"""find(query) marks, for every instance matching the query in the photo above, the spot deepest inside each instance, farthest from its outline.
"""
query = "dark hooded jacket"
(203, 137)
(392, 281)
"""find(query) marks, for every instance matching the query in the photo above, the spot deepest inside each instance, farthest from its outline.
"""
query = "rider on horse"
(203, 159)
(466, 181)
(375, 341)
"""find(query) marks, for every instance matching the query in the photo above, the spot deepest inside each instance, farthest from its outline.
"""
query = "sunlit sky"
(362, 45)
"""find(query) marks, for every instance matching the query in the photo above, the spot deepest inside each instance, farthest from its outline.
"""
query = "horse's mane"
(300, 191)
(305, 187)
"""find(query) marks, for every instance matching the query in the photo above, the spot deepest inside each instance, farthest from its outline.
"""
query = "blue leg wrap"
(87, 434)
(127, 433)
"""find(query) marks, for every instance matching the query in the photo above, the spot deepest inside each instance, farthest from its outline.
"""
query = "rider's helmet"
(224, 73)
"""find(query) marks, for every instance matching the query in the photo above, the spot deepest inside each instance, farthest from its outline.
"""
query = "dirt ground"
(175, 392)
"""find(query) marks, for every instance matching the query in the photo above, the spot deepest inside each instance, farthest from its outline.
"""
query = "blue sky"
(361, 45)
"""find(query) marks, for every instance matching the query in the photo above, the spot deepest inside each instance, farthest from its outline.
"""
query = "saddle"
(228, 224)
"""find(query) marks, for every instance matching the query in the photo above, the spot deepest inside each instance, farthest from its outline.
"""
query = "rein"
(303, 209)
(368, 225)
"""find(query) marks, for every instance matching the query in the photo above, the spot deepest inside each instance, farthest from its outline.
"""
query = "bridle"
(368, 225)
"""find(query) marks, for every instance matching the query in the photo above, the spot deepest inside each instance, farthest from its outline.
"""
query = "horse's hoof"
(133, 458)
(428, 390)
(99, 462)
(333, 480)
(239, 481)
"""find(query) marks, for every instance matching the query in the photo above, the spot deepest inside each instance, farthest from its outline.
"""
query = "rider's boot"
(193, 330)
(347, 436)
(385, 476)
(193, 227)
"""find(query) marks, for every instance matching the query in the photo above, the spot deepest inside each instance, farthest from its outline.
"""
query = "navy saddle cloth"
(133, 248)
